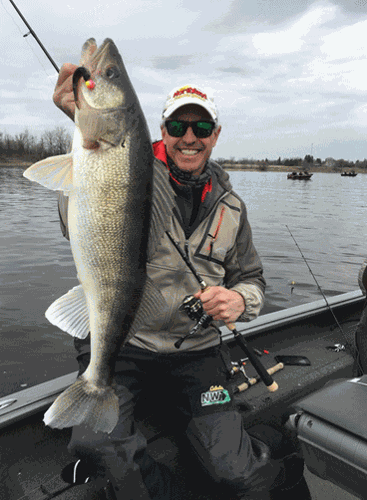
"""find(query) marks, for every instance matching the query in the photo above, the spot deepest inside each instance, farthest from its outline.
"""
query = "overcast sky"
(289, 76)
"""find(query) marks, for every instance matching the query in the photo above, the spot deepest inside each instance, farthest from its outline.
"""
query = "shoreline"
(21, 163)
(283, 168)
(15, 162)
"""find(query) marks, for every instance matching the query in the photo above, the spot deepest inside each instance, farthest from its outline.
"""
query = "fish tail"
(83, 403)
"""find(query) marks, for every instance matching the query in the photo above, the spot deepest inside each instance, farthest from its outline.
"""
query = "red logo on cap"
(189, 90)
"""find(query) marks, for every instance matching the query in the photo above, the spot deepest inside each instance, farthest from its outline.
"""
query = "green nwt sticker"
(216, 395)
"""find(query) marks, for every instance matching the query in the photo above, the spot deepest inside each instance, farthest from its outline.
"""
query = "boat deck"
(35, 454)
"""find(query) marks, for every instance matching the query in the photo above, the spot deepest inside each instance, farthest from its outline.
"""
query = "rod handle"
(253, 381)
(256, 363)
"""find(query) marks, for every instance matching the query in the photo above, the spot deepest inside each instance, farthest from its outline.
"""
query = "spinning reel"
(193, 307)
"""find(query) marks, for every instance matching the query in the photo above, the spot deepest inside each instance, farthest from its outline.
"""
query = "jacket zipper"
(171, 314)
(214, 207)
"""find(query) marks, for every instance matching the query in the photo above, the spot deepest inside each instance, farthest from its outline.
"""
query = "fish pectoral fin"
(83, 403)
(70, 313)
(152, 302)
(54, 173)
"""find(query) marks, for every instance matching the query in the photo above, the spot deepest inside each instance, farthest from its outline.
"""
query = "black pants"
(195, 384)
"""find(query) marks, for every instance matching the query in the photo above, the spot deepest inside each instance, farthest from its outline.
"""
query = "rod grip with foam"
(256, 363)
(272, 388)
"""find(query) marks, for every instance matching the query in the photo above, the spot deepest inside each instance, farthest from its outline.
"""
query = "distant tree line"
(307, 161)
(58, 141)
(289, 162)
(27, 146)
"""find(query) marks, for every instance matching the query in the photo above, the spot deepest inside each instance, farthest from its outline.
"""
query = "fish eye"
(112, 72)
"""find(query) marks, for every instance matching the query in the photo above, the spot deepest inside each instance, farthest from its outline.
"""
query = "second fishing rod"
(348, 344)
(193, 306)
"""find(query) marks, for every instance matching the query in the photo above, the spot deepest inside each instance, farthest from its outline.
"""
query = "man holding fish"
(133, 308)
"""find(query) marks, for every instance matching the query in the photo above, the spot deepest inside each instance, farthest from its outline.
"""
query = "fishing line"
(352, 350)
(314, 277)
(30, 32)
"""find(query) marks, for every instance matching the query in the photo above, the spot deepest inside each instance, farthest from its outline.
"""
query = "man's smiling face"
(188, 152)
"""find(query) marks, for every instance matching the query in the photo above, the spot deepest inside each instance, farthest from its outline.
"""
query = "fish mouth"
(98, 54)
(91, 53)
(104, 69)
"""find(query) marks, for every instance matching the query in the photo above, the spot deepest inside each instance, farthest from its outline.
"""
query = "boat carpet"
(32, 455)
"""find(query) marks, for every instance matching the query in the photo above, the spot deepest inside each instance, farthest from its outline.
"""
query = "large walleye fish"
(114, 202)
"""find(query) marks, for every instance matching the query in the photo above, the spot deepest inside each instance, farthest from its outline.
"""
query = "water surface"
(326, 216)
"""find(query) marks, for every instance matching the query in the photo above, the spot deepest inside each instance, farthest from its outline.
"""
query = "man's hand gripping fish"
(114, 200)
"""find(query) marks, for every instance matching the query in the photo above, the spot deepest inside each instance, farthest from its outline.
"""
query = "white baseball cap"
(189, 94)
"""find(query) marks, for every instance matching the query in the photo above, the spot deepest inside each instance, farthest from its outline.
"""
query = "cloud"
(295, 36)
(345, 43)
(171, 62)
(232, 69)
(280, 70)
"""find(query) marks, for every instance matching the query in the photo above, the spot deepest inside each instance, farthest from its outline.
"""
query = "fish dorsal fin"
(163, 201)
(70, 313)
(55, 173)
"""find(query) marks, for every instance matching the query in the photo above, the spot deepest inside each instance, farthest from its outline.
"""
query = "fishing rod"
(271, 385)
(34, 36)
(354, 354)
(314, 277)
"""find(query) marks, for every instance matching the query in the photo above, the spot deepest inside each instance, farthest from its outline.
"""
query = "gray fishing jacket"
(221, 250)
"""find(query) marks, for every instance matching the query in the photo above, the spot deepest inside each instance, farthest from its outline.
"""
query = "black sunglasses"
(201, 128)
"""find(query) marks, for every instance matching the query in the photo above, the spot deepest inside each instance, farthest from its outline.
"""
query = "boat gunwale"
(293, 314)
